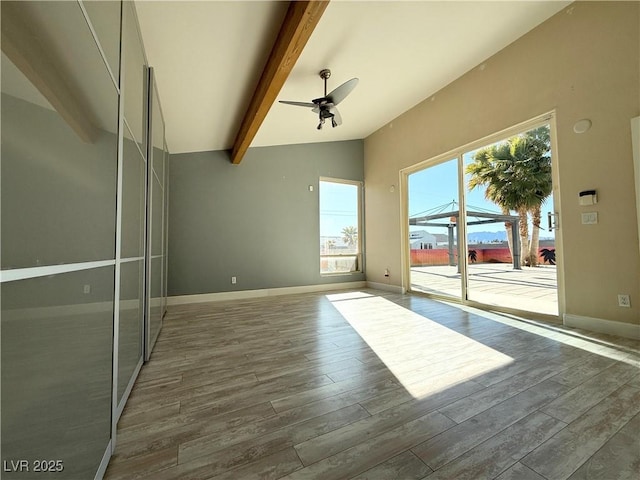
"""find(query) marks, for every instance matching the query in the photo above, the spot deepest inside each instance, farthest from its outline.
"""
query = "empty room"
(320, 240)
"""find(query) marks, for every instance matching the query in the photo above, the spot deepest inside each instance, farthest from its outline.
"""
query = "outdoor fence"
(440, 256)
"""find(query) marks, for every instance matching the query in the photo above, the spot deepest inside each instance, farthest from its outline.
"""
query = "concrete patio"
(534, 289)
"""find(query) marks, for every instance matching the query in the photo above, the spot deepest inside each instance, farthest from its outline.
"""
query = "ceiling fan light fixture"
(325, 106)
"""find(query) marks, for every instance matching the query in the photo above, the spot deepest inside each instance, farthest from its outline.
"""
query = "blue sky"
(338, 208)
(428, 189)
(438, 185)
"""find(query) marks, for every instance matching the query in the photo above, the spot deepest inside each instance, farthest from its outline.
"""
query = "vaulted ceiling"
(208, 57)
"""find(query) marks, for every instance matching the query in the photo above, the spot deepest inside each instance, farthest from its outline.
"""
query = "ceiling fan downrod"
(325, 73)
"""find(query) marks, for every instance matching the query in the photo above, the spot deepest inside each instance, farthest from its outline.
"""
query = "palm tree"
(548, 255)
(517, 176)
(540, 181)
(350, 235)
(531, 182)
(489, 169)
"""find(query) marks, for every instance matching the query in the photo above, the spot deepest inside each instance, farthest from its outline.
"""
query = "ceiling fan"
(325, 106)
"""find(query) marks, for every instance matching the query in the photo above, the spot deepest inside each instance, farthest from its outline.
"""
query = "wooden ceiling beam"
(298, 25)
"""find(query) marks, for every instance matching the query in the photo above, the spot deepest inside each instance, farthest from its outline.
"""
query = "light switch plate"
(590, 218)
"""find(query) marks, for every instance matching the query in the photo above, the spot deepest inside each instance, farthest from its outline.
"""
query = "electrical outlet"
(233, 280)
(624, 301)
(86, 289)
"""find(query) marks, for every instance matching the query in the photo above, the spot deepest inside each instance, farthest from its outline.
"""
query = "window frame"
(359, 256)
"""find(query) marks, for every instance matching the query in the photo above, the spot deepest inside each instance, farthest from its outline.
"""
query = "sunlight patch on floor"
(425, 356)
(624, 350)
(335, 297)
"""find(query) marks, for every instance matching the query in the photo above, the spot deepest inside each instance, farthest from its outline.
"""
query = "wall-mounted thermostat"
(588, 197)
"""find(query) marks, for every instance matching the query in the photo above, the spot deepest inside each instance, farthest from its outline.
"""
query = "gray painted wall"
(256, 221)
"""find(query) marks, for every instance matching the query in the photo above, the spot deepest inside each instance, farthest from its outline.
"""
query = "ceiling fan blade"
(336, 115)
(340, 93)
(299, 104)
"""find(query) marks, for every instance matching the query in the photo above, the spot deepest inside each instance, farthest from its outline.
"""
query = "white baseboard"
(265, 292)
(628, 330)
(386, 287)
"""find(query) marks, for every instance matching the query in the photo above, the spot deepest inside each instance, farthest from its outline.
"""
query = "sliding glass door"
(512, 261)
(59, 184)
(84, 228)
(156, 218)
(477, 226)
(434, 230)
(130, 259)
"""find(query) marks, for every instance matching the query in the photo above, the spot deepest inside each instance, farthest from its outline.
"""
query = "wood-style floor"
(373, 385)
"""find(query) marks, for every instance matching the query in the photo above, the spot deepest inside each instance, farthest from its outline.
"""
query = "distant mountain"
(487, 237)
(496, 237)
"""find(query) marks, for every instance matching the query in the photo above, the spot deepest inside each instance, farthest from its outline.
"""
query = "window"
(340, 232)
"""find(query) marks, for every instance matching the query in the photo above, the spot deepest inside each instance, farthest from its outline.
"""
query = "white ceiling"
(208, 56)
